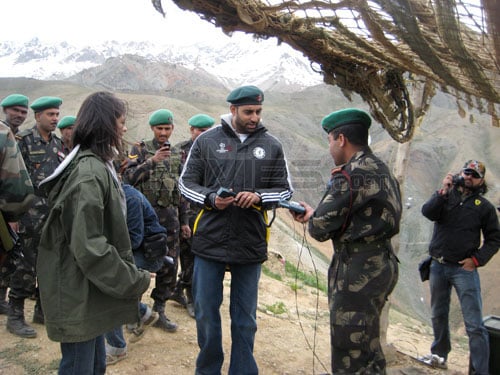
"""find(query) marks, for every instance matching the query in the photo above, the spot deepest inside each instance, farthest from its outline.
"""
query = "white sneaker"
(434, 360)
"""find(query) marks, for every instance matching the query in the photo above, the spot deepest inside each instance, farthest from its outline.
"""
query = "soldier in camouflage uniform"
(154, 170)
(42, 153)
(360, 212)
(15, 108)
(65, 126)
(198, 124)
(16, 194)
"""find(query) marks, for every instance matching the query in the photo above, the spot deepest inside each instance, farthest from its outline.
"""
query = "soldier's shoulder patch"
(477, 202)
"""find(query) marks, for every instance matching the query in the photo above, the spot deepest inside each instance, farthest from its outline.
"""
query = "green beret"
(345, 117)
(161, 117)
(66, 121)
(246, 95)
(46, 102)
(201, 121)
(15, 100)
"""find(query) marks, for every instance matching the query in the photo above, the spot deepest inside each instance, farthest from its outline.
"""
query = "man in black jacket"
(460, 214)
(230, 232)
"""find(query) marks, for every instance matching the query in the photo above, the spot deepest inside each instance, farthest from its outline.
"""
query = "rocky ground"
(293, 342)
(292, 337)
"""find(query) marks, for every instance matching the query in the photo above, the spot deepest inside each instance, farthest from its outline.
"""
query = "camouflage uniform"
(16, 194)
(158, 182)
(360, 213)
(41, 159)
(186, 256)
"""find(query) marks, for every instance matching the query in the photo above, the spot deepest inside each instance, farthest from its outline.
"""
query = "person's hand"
(447, 184)
(14, 226)
(161, 154)
(303, 218)
(246, 199)
(223, 203)
(468, 264)
(185, 231)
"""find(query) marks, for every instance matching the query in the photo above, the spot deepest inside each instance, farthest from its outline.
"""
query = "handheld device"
(166, 144)
(224, 193)
(291, 205)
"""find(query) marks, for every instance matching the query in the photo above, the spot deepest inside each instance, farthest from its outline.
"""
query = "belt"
(363, 247)
(442, 260)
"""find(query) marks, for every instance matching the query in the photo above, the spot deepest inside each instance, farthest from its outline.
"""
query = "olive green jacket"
(88, 281)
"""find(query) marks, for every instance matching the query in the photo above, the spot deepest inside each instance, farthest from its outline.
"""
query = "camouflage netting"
(393, 53)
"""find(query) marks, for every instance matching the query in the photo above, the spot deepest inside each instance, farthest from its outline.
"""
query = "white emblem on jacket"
(259, 153)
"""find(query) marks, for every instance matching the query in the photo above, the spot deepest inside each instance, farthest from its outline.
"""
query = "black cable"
(312, 347)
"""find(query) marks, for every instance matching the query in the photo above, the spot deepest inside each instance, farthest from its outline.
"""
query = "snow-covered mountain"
(263, 64)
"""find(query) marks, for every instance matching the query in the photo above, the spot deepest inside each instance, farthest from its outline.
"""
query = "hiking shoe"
(130, 327)
(140, 329)
(434, 360)
(165, 323)
(111, 359)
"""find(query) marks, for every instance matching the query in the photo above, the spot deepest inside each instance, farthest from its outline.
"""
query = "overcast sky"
(92, 21)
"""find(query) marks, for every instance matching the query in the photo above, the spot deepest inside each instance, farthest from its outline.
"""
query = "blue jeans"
(83, 358)
(208, 279)
(468, 287)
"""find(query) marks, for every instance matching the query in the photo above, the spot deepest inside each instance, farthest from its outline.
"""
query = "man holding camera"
(460, 214)
(154, 169)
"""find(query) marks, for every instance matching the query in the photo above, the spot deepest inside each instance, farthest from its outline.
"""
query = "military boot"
(189, 302)
(38, 317)
(163, 322)
(4, 306)
(15, 320)
(178, 295)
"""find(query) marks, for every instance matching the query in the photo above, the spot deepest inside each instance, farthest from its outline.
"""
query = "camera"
(166, 144)
(458, 180)
(294, 206)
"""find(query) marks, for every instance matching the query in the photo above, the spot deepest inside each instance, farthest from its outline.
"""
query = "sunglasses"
(470, 173)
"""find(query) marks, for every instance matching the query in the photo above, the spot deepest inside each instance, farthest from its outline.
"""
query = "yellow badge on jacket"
(477, 202)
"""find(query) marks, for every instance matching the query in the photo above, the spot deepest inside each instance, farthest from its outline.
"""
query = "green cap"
(201, 121)
(46, 102)
(344, 117)
(66, 121)
(15, 99)
(161, 117)
(246, 95)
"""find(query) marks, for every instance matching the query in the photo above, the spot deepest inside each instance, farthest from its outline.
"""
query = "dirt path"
(295, 342)
(283, 344)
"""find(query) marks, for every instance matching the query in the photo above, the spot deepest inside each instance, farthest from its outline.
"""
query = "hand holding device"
(225, 193)
(294, 206)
